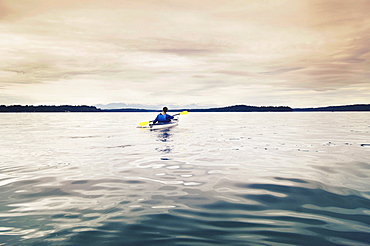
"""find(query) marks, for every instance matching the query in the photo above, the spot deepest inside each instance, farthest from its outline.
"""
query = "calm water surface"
(216, 179)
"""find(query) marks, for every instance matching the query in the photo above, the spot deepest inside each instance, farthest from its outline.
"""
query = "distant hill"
(356, 107)
(245, 108)
(236, 108)
(137, 110)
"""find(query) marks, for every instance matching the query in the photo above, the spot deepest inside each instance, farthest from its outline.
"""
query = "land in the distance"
(235, 108)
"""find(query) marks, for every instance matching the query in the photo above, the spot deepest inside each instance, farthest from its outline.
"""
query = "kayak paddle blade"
(144, 123)
(182, 113)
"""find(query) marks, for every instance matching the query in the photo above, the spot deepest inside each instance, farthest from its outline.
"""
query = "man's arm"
(156, 120)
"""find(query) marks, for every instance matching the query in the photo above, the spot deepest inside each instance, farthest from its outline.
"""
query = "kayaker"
(163, 116)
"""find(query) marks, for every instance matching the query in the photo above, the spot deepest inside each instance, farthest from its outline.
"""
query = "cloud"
(185, 52)
(339, 14)
(4, 10)
(180, 46)
(215, 51)
(236, 73)
(282, 70)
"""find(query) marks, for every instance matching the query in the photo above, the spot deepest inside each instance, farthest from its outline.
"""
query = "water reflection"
(165, 136)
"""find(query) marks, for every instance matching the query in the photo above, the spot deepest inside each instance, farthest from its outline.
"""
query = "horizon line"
(177, 108)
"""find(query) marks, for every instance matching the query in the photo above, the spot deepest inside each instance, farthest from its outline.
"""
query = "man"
(163, 117)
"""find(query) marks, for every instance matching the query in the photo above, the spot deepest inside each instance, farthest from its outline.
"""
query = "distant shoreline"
(235, 108)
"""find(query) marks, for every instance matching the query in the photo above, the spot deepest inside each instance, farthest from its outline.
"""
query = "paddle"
(182, 113)
(144, 123)
(147, 122)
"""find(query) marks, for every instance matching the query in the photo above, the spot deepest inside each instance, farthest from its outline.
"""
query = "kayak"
(160, 125)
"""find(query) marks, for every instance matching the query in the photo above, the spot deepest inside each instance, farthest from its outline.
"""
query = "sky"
(185, 53)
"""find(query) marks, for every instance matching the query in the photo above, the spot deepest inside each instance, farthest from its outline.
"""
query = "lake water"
(216, 179)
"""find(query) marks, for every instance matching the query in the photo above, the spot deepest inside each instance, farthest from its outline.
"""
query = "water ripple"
(68, 179)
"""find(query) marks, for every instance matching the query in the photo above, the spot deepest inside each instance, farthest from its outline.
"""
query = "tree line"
(45, 108)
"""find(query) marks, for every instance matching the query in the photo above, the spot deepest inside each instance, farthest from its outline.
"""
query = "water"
(216, 179)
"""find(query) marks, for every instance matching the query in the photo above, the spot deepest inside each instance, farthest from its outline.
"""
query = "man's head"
(165, 109)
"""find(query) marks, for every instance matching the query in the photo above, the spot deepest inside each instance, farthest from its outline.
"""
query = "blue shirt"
(163, 118)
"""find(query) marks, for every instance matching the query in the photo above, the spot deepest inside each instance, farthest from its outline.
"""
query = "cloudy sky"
(185, 52)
